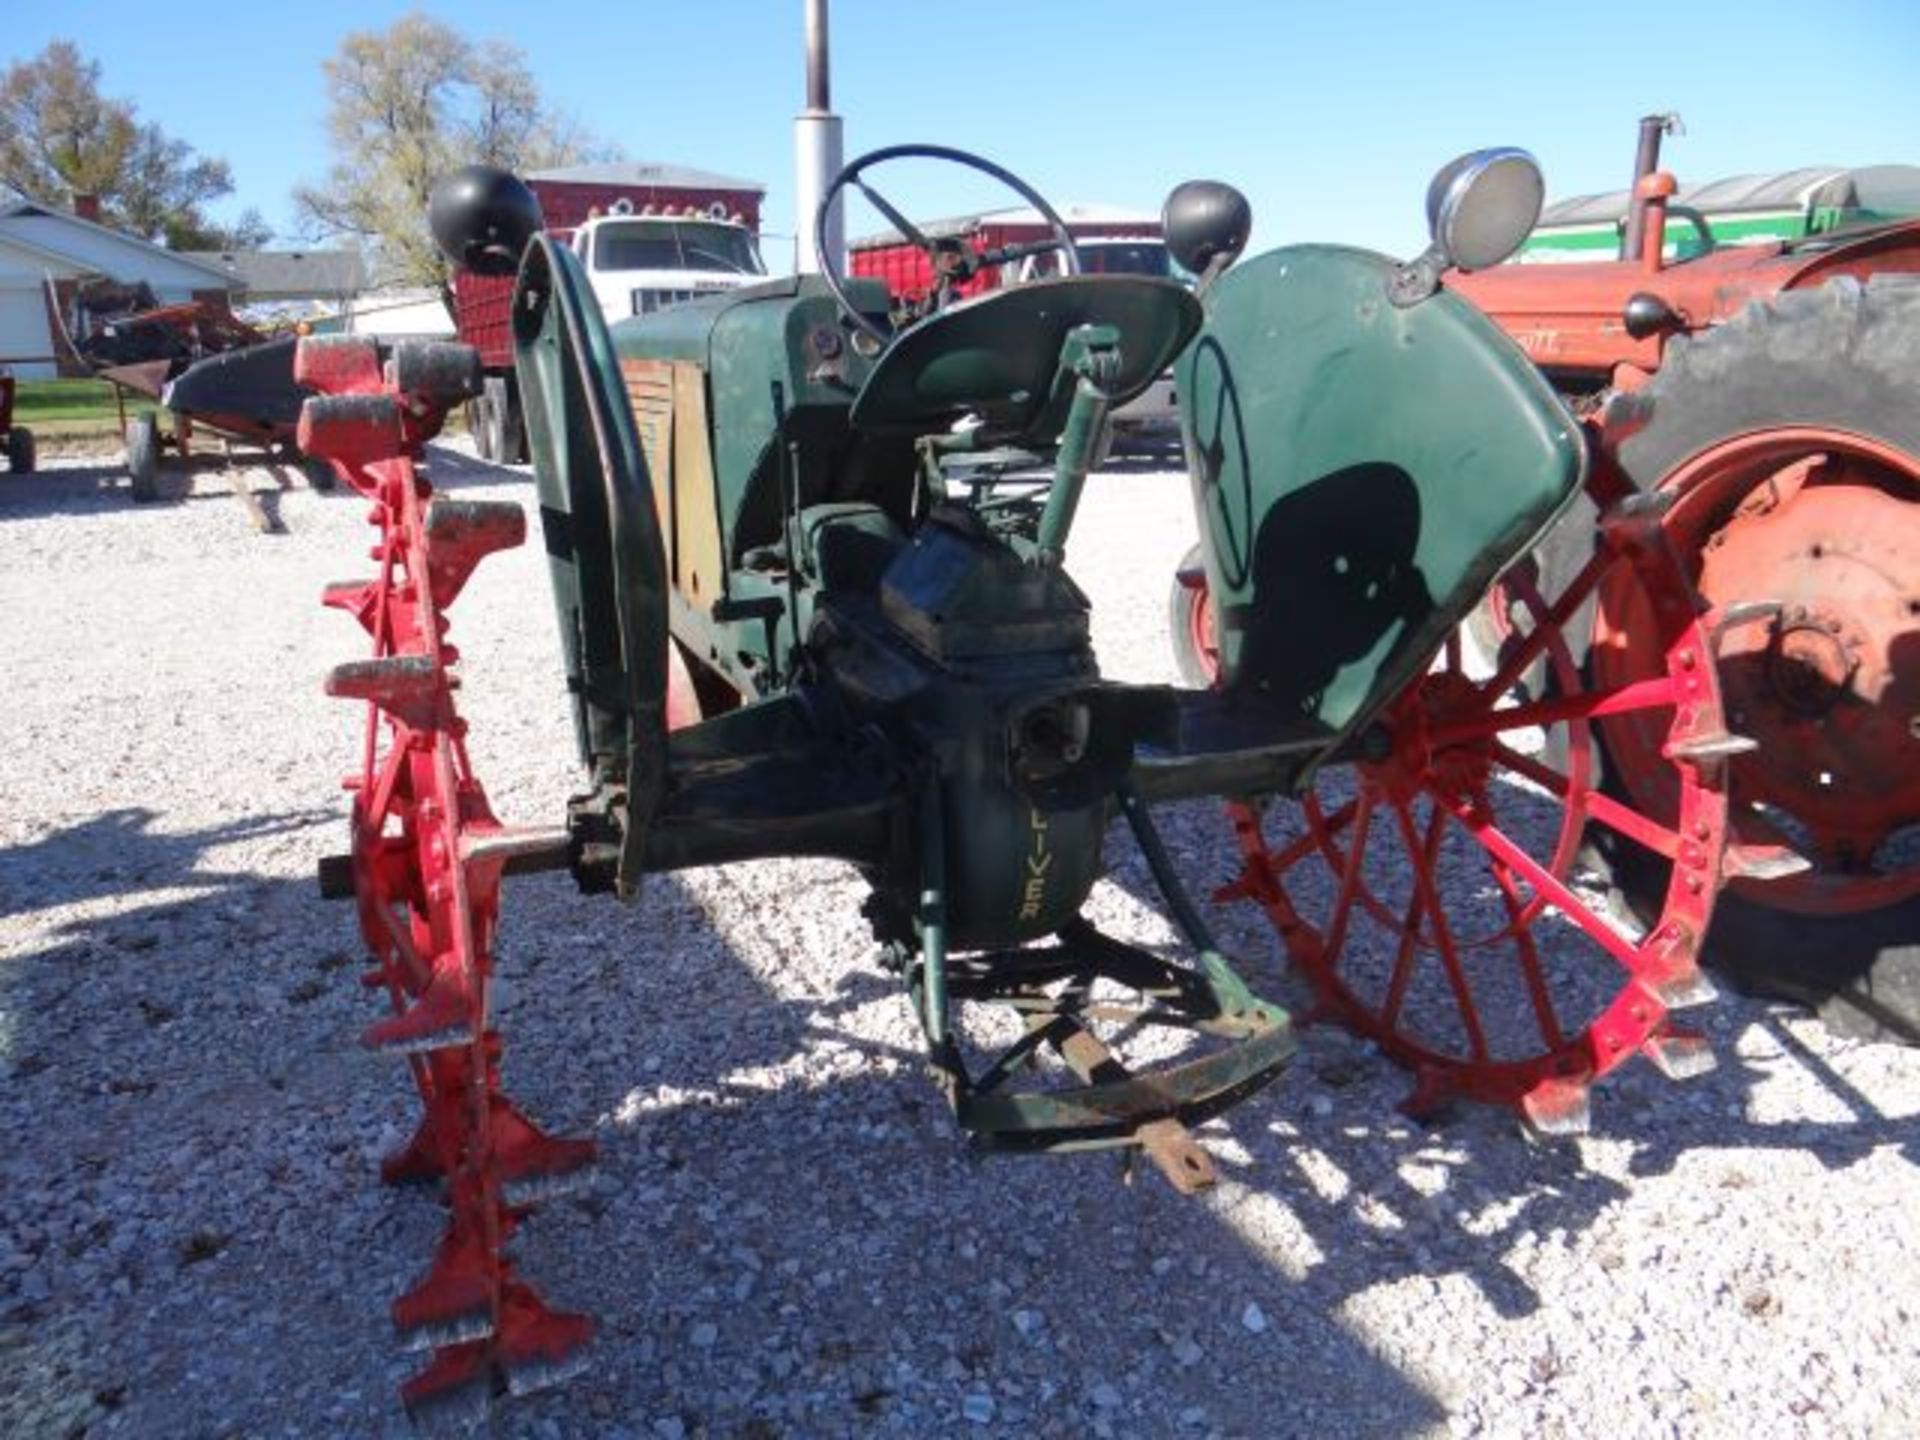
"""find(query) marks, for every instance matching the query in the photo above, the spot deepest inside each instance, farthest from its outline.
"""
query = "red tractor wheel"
(1789, 443)
(1431, 896)
(1196, 653)
(427, 861)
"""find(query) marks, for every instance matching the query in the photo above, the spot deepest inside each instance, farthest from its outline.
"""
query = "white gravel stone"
(186, 1121)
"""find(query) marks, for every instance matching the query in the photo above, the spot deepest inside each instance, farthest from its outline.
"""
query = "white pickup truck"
(639, 262)
(648, 236)
(1152, 416)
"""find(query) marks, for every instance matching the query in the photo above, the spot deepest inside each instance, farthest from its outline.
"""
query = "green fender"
(606, 560)
(1361, 472)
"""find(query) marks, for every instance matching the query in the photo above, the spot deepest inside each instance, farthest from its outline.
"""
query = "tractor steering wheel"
(952, 259)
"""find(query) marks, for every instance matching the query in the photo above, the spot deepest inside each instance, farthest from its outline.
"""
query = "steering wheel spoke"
(894, 218)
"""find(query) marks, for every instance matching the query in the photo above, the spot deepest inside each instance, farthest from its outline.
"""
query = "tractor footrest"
(1051, 987)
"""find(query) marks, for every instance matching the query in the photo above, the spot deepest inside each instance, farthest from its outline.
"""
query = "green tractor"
(794, 626)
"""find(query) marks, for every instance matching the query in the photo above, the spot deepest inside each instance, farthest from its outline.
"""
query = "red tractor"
(1770, 395)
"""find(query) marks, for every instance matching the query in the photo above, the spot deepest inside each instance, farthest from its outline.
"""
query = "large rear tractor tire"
(21, 457)
(1789, 439)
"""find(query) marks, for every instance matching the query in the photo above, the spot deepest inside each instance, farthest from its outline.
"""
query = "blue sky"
(1330, 116)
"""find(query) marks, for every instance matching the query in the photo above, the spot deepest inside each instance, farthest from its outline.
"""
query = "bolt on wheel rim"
(1827, 523)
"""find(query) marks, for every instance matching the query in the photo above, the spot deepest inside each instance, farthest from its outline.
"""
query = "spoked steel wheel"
(1431, 894)
(1785, 445)
(1828, 524)
(426, 864)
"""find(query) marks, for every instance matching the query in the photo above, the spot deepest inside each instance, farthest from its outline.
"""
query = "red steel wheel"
(427, 858)
(1827, 524)
(1196, 650)
(1430, 895)
(1787, 442)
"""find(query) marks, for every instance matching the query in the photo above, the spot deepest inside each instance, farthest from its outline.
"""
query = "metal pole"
(819, 80)
(1646, 160)
(817, 150)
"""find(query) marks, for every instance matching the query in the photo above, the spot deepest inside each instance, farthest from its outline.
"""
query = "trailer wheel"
(505, 431)
(20, 451)
(1789, 439)
(513, 425)
(319, 473)
(143, 456)
(480, 424)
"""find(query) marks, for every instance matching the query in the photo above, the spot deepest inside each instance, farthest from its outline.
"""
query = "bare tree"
(408, 104)
(60, 137)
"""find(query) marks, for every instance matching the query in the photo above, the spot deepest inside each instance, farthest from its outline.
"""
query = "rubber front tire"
(320, 474)
(143, 457)
(21, 454)
(1841, 356)
(505, 429)
(480, 424)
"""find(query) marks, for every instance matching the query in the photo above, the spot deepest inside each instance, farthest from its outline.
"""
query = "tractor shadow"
(191, 1131)
(787, 1236)
(119, 852)
(181, 1113)
(776, 1164)
(1468, 1193)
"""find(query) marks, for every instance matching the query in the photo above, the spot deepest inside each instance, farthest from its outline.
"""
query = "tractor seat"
(996, 355)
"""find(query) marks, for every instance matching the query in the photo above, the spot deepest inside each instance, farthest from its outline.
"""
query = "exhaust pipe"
(1646, 160)
(817, 151)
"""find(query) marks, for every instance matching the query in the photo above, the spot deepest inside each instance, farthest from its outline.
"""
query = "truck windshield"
(675, 245)
(1108, 257)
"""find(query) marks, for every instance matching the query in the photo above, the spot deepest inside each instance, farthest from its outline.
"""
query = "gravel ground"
(787, 1238)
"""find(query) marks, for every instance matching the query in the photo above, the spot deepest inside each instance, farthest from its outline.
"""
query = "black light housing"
(482, 219)
(1206, 223)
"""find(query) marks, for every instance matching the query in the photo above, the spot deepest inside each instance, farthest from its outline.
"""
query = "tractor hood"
(1569, 316)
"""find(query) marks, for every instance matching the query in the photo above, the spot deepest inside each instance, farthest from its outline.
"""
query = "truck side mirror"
(1205, 224)
(482, 219)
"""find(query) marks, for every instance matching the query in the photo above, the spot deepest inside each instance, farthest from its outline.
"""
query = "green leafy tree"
(60, 137)
(405, 106)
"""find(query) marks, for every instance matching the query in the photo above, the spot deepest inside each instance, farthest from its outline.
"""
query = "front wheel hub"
(1811, 667)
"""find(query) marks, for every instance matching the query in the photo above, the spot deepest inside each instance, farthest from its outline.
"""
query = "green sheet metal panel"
(1361, 473)
(748, 341)
(605, 557)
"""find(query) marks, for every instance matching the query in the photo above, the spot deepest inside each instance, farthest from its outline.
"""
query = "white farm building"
(40, 244)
